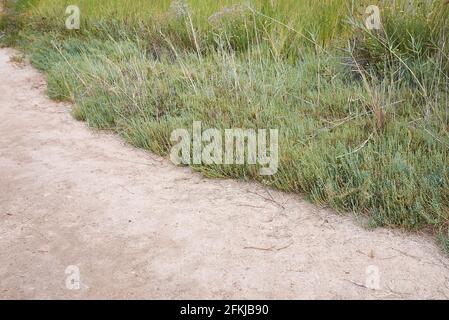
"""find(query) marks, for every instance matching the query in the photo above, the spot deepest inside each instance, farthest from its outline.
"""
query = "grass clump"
(362, 115)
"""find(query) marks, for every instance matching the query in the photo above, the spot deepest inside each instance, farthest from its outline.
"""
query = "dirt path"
(136, 226)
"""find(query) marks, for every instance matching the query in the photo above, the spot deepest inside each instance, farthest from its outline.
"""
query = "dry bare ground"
(139, 227)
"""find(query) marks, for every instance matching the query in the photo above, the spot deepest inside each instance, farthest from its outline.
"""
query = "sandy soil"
(136, 226)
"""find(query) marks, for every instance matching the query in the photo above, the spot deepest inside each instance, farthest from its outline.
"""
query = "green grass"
(362, 116)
